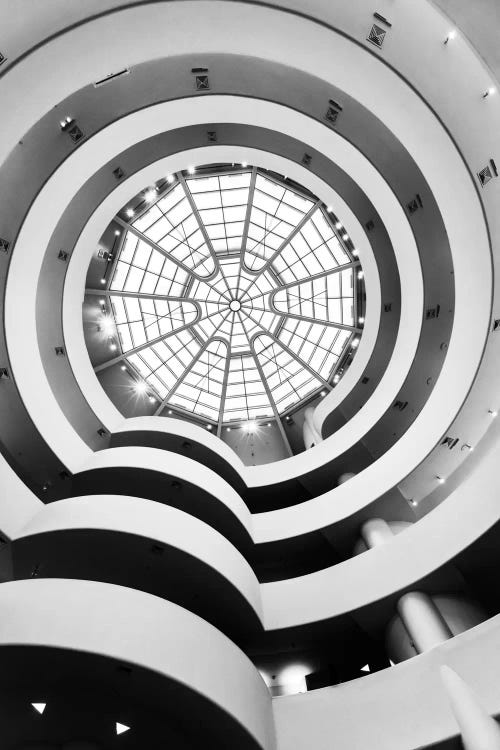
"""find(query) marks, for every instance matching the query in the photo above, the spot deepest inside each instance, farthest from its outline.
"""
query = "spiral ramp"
(157, 587)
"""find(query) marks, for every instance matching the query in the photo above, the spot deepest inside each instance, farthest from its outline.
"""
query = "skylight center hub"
(235, 305)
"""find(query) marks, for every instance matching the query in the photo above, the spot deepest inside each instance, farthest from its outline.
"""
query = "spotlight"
(336, 378)
(329, 209)
(152, 399)
(228, 429)
(338, 225)
(269, 424)
(121, 728)
(106, 325)
(450, 36)
(493, 413)
(170, 178)
(40, 707)
(169, 411)
(65, 124)
(113, 347)
(140, 387)
(360, 274)
(345, 237)
(489, 92)
(441, 480)
(102, 302)
(129, 212)
(322, 394)
(355, 252)
(355, 343)
(244, 164)
(209, 427)
(251, 427)
(191, 170)
(149, 196)
(361, 320)
(123, 367)
(117, 232)
(103, 280)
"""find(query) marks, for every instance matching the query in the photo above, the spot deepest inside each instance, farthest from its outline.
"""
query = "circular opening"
(235, 305)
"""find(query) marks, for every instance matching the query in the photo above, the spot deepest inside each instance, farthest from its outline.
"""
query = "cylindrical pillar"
(309, 431)
(479, 730)
(376, 531)
(422, 620)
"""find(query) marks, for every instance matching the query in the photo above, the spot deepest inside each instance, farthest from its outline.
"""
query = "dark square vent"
(485, 176)
(4, 373)
(449, 442)
(376, 35)
(432, 312)
(157, 549)
(496, 324)
(4, 245)
(104, 254)
(202, 83)
(333, 111)
(2, 58)
(212, 136)
(59, 350)
(400, 405)
(118, 173)
(388, 307)
(370, 225)
(101, 432)
(75, 133)
(306, 160)
(63, 255)
(365, 380)
(412, 206)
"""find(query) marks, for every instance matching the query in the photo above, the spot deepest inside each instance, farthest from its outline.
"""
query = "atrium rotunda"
(249, 363)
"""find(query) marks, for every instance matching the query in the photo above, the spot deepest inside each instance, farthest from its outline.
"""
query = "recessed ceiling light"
(129, 212)
(355, 343)
(493, 413)
(121, 728)
(170, 178)
(366, 668)
(355, 252)
(152, 400)
(150, 195)
(209, 427)
(244, 164)
(113, 347)
(191, 170)
(140, 386)
(103, 280)
(338, 225)
(336, 378)
(169, 411)
(251, 427)
(322, 394)
(329, 209)
(228, 429)
(117, 232)
(441, 480)
(40, 707)
(123, 367)
(361, 320)
(360, 274)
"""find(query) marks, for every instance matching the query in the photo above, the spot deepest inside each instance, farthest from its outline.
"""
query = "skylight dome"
(233, 294)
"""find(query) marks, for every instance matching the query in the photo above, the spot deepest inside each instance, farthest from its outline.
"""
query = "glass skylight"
(233, 295)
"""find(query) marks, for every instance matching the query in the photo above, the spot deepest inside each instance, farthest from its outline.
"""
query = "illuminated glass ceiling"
(233, 295)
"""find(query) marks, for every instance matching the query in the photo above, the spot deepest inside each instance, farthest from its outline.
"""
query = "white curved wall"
(165, 525)
(154, 634)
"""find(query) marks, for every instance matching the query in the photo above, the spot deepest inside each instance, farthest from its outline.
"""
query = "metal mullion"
(288, 351)
(155, 246)
(290, 237)
(224, 382)
(322, 274)
(139, 295)
(251, 191)
(182, 376)
(197, 216)
(330, 324)
(147, 344)
(272, 402)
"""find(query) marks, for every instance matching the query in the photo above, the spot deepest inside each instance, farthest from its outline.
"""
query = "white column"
(310, 433)
(422, 620)
(479, 730)
(376, 531)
